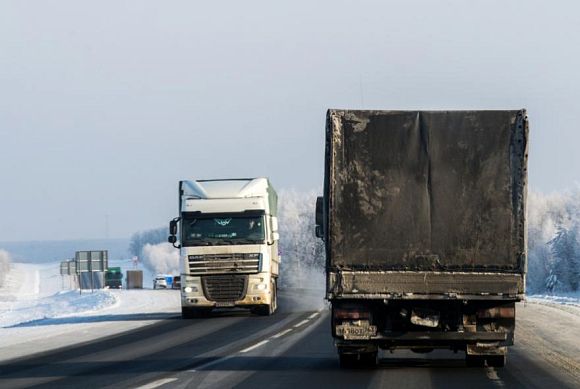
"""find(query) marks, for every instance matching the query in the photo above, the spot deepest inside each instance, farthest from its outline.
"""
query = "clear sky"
(105, 105)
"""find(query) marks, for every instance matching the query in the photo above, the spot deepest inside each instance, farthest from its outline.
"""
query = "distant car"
(160, 282)
(176, 282)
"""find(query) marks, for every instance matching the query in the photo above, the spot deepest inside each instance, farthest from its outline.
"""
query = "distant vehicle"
(160, 282)
(114, 278)
(134, 279)
(229, 242)
(423, 219)
(176, 282)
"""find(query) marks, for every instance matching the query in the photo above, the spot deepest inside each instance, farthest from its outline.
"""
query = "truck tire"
(475, 360)
(368, 360)
(496, 360)
(274, 296)
(263, 310)
(347, 361)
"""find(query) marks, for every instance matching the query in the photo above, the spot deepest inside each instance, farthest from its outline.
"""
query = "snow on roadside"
(36, 314)
(569, 299)
(62, 304)
(23, 299)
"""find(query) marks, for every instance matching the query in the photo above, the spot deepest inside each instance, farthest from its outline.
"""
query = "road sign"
(72, 267)
(89, 261)
(64, 268)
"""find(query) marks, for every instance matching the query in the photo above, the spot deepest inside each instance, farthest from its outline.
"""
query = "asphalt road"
(292, 349)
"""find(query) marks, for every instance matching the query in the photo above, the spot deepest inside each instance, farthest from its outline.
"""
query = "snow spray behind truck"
(423, 219)
(228, 245)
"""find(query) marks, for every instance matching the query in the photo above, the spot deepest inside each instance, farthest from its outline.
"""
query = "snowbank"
(572, 299)
(62, 304)
(35, 311)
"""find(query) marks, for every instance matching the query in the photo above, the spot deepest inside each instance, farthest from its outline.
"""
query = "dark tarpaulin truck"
(423, 219)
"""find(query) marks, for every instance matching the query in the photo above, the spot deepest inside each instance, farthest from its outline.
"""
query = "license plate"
(350, 332)
(223, 304)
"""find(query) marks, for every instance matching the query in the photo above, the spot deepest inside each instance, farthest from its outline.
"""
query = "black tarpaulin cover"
(426, 190)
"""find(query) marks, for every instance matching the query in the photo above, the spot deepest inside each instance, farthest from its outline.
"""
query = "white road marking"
(281, 333)
(211, 363)
(301, 323)
(158, 383)
(255, 346)
(313, 315)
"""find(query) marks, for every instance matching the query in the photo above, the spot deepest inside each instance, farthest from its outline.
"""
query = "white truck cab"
(228, 241)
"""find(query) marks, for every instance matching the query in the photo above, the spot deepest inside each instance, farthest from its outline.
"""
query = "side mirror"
(173, 226)
(319, 211)
(275, 236)
(173, 231)
(319, 218)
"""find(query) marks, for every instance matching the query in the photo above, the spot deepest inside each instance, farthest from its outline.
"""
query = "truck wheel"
(274, 296)
(263, 310)
(496, 360)
(368, 359)
(347, 361)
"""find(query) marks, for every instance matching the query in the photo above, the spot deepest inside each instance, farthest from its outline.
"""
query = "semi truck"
(423, 216)
(114, 277)
(228, 242)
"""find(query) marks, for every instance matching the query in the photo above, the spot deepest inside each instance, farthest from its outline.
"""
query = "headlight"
(261, 286)
(189, 289)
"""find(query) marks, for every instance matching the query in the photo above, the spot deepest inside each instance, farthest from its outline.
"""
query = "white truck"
(228, 241)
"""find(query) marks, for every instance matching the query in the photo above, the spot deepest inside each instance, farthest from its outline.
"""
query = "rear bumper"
(424, 285)
(489, 341)
(443, 336)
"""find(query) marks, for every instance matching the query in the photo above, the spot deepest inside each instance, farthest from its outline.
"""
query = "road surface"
(293, 349)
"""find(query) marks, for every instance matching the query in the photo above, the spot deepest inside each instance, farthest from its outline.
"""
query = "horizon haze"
(104, 106)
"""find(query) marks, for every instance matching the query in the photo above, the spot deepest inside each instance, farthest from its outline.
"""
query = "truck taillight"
(351, 313)
(497, 313)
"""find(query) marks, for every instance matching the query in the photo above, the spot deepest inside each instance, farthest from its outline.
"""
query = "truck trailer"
(228, 241)
(423, 219)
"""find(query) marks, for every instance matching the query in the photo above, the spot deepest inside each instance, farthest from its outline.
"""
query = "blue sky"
(105, 105)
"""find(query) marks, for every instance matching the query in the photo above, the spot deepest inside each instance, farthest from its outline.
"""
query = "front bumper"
(200, 301)
(253, 294)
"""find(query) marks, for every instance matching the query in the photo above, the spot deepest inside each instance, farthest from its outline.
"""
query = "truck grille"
(229, 287)
(247, 263)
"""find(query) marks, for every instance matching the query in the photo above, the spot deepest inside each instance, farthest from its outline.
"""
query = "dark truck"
(423, 219)
(114, 277)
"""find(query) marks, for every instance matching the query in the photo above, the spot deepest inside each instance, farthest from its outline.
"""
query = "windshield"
(222, 230)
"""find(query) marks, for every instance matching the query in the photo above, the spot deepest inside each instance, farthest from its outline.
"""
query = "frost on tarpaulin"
(161, 258)
(5, 260)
